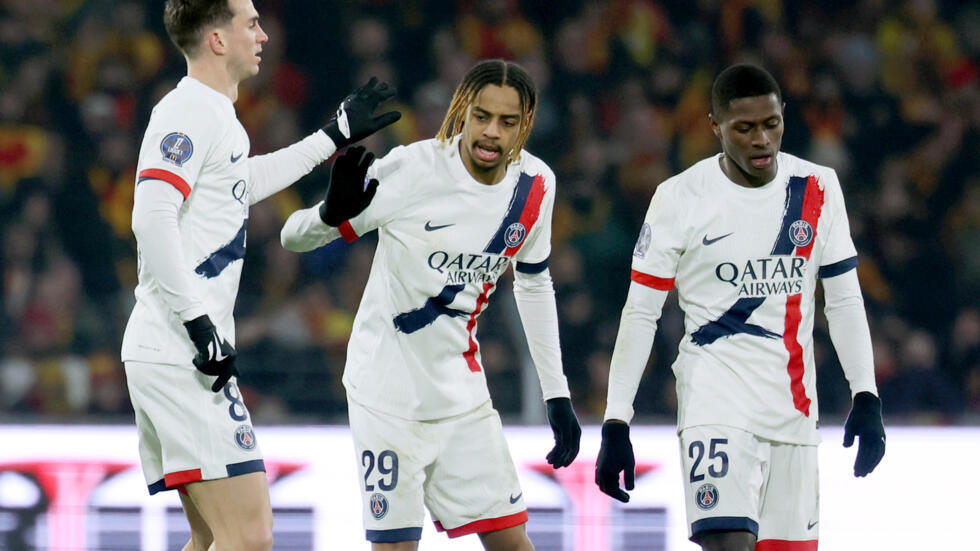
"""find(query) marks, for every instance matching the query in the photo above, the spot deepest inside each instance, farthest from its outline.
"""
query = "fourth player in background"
(452, 214)
(746, 235)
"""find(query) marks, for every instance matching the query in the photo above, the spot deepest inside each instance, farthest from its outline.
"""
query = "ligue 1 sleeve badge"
(800, 233)
(176, 148)
(643, 242)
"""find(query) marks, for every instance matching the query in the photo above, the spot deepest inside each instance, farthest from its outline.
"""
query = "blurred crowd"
(885, 91)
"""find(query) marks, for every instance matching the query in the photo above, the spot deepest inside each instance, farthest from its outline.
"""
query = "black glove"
(567, 433)
(347, 193)
(215, 356)
(864, 421)
(353, 120)
(615, 456)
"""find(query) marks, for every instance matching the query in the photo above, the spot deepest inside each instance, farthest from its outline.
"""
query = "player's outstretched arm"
(355, 119)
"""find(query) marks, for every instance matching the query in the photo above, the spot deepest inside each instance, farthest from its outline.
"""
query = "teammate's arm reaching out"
(353, 121)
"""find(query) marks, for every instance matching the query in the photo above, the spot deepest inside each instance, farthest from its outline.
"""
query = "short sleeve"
(176, 145)
(839, 254)
(661, 241)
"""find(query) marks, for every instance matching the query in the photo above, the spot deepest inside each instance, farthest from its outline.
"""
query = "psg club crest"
(379, 506)
(706, 497)
(515, 234)
(800, 233)
(245, 438)
(643, 242)
(176, 148)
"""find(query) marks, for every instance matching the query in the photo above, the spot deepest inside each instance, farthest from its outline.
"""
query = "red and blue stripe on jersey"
(804, 201)
(525, 208)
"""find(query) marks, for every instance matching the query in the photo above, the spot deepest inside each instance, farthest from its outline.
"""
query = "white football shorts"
(186, 432)
(459, 467)
(737, 481)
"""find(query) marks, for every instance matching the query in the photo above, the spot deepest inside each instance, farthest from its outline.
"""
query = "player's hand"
(348, 194)
(615, 456)
(354, 119)
(567, 432)
(215, 356)
(864, 421)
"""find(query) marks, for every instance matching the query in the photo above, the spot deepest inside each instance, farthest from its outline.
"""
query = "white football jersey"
(443, 241)
(195, 142)
(745, 262)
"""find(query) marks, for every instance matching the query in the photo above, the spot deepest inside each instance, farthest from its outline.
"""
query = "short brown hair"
(185, 19)
(499, 72)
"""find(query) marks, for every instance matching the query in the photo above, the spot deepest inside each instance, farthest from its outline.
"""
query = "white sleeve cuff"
(304, 230)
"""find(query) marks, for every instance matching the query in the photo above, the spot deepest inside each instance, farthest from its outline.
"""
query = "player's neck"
(215, 76)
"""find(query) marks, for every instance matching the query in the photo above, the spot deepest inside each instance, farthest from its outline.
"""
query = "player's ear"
(216, 41)
(715, 127)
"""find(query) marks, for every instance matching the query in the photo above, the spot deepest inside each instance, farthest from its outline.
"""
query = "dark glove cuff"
(334, 134)
(865, 401)
(199, 325)
(615, 430)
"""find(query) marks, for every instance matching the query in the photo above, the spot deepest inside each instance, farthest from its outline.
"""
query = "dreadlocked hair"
(499, 72)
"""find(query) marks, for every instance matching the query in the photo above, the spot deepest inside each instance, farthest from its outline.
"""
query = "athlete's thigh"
(201, 535)
(235, 508)
(791, 503)
(724, 472)
(392, 455)
(187, 432)
(473, 485)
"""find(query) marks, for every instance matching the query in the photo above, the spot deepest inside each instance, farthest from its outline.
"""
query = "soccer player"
(745, 235)
(195, 184)
(452, 214)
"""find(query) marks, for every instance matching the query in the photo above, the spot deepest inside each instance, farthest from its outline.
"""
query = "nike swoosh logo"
(810, 525)
(430, 227)
(236, 157)
(707, 241)
(513, 499)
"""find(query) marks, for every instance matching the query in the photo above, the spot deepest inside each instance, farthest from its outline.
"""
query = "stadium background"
(887, 92)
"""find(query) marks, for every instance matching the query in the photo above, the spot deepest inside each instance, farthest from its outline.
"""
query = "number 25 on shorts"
(696, 452)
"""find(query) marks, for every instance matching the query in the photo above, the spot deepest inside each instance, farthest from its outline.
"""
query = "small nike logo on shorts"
(236, 157)
(707, 241)
(810, 525)
(430, 227)
(513, 499)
